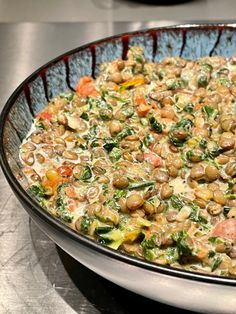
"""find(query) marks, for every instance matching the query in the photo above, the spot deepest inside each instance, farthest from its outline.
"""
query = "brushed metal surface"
(115, 10)
(35, 276)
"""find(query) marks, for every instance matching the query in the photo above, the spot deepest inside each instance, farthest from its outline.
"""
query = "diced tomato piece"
(226, 229)
(64, 171)
(153, 159)
(139, 99)
(86, 87)
(142, 110)
(197, 106)
(45, 115)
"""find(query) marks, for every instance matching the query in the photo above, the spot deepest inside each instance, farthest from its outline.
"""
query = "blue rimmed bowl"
(194, 291)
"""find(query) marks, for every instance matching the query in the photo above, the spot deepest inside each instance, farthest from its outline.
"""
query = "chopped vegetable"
(156, 126)
(86, 174)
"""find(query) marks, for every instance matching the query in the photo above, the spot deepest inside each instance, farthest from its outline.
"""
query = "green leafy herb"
(104, 186)
(203, 143)
(161, 74)
(203, 80)
(94, 144)
(119, 194)
(138, 58)
(222, 71)
(183, 125)
(226, 209)
(211, 154)
(148, 140)
(189, 108)
(120, 99)
(61, 207)
(176, 202)
(110, 143)
(224, 81)
(84, 116)
(174, 84)
(156, 126)
(37, 190)
(150, 243)
(85, 223)
(189, 154)
(208, 110)
(40, 125)
(127, 110)
(86, 174)
(195, 215)
(172, 255)
(82, 146)
(105, 114)
(206, 67)
(69, 97)
(140, 185)
(211, 254)
(215, 240)
(217, 261)
(104, 94)
(181, 239)
(115, 154)
(124, 133)
(112, 204)
(91, 134)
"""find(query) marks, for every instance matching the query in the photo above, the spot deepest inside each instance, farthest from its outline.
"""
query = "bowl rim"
(59, 225)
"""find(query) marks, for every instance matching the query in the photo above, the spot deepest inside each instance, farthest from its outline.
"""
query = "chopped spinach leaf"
(217, 261)
(91, 134)
(61, 208)
(119, 194)
(208, 110)
(40, 125)
(110, 143)
(211, 254)
(140, 185)
(86, 174)
(215, 240)
(189, 108)
(172, 255)
(115, 154)
(176, 202)
(203, 80)
(156, 126)
(203, 143)
(84, 116)
(148, 140)
(85, 223)
(37, 190)
(195, 215)
(181, 239)
(183, 125)
(124, 133)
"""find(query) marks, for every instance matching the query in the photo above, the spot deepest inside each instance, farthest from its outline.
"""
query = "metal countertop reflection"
(35, 275)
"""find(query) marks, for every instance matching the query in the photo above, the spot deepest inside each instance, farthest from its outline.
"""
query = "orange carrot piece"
(142, 110)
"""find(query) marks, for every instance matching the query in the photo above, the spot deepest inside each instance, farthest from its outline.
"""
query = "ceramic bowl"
(194, 291)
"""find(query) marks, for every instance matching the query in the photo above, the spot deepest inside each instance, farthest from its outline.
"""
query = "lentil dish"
(142, 159)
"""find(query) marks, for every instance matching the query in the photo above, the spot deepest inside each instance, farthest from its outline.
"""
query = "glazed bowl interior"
(63, 73)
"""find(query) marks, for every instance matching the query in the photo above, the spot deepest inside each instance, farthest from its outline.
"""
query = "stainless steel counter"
(36, 276)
